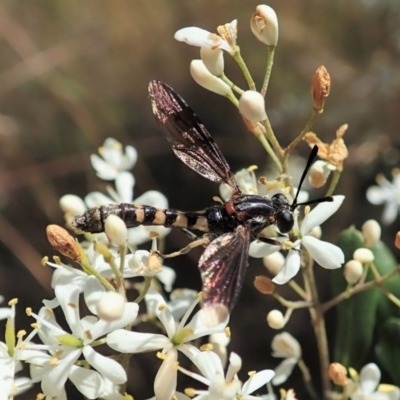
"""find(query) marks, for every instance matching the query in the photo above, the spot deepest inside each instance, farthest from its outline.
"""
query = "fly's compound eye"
(285, 221)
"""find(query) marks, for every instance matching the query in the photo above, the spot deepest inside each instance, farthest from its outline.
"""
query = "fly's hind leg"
(202, 241)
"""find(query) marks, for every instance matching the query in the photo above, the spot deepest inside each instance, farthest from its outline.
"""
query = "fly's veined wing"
(190, 140)
(223, 265)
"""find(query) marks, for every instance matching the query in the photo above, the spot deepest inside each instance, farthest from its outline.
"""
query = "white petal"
(136, 342)
(390, 212)
(103, 169)
(107, 367)
(327, 255)
(257, 380)
(102, 327)
(4, 312)
(370, 375)
(7, 370)
(87, 381)
(209, 364)
(124, 183)
(286, 346)
(165, 382)
(97, 199)
(129, 159)
(93, 291)
(167, 277)
(320, 214)
(376, 195)
(283, 371)
(290, 268)
(152, 198)
(259, 249)
(201, 38)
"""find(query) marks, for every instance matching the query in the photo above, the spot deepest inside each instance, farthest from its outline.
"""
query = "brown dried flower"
(229, 32)
(264, 285)
(338, 374)
(397, 240)
(320, 88)
(336, 152)
(63, 242)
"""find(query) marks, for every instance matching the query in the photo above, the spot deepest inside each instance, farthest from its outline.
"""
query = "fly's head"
(283, 213)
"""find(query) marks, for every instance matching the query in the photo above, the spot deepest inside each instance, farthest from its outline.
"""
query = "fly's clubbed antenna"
(310, 160)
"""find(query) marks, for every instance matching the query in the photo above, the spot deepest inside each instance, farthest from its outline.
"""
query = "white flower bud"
(213, 59)
(274, 262)
(111, 306)
(285, 345)
(264, 25)
(319, 173)
(371, 231)
(116, 230)
(206, 79)
(275, 319)
(72, 205)
(353, 271)
(252, 106)
(363, 255)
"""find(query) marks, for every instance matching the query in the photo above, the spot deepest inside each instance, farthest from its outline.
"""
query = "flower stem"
(264, 142)
(318, 323)
(334, 182)
(145, 289)
(268, 69)
(272, 138)
(91, 271)
(242, 65)
(231, 84)
(307, 379)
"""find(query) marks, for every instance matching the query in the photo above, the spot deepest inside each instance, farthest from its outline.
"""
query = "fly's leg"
(284, 245)
(203, 241)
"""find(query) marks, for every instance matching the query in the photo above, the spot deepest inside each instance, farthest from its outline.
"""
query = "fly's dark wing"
(190, 140)
(223, 265)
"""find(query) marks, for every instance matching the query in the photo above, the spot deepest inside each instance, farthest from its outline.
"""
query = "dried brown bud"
(338, 374)
(321, 85)
(264, 285)
(63, 242)
(397, 240)
(229, 33)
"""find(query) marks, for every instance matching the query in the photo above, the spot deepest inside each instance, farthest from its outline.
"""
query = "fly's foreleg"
(284, 245)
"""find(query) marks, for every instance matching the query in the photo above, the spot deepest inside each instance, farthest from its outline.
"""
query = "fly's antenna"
(310, 160)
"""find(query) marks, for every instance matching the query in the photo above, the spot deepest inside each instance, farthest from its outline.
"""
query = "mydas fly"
(227, 228)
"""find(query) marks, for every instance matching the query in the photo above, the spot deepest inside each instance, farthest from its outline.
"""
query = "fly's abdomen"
(134, 215)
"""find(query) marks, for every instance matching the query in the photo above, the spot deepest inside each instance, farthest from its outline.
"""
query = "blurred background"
(74, 73)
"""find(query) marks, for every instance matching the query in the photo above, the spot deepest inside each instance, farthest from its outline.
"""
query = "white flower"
(366, 386)
(113, 160)
(225, 386)
(84, 333)
(264, 25)
(325, 254)
(386, 193)
(285, 346)
(178, 337)
(246, 180)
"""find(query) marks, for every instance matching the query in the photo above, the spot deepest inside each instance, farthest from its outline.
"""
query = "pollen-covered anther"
(21, 334)
(206, 347)
(28, 311)
(190, 392)
(264, 285)
(251, 373)
(264, 25)
(63, 242)
(338, 374)
(13, 302)
(320, 88)
(44, 260)
(161, 356)
(229, 33)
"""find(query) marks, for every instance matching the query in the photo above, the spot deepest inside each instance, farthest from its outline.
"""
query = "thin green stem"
(122, 252)
(242, 65)
(301, 135)
(231, 84)
(334, 182)
(299, 290)
(307, 379)
(269, 133)
(293, 305)
(231, 97)
(91, 271)
(145, 289)
(264, 142)
(268, 69)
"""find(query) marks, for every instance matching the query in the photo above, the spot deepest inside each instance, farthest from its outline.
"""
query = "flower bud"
(316, 232)
(274, 262)
(264, 285)
(371, 231)
(320, 88)
(252, 106)
(363, 255)
(116, 230)
(338, 374)
(110, 307)
(63, 242)
(72, 205)
(275, 319)
(319, 173)
(213, 59)
(285, 345)
(206, 79)
(353, 271)
(264, 25)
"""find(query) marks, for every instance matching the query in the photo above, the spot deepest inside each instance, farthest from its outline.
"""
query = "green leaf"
(388, 348)
(356, 316)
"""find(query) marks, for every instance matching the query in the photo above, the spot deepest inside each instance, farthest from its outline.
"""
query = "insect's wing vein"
(190, 140)
(223, 265)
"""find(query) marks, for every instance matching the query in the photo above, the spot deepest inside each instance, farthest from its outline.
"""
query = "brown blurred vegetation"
(73, 73)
